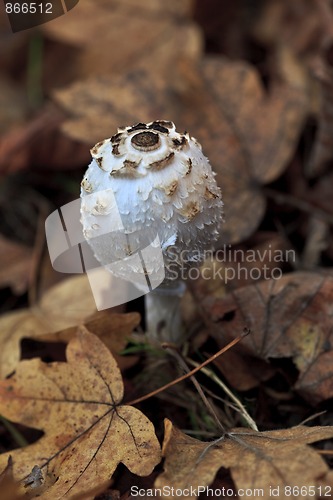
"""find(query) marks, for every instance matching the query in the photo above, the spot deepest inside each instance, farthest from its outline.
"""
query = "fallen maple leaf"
(114, 329)
(111, 328)
(289, 317)
(66, 304)
(257, 460)
(87, 431)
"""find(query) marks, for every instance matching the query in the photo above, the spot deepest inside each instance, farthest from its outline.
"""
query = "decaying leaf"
(91, 19)
(66, 304)
(232, 110)
(126, 97)
(77, 405)
(289, 318)
(152, 35)
(114, 329)
(304, 26)
(111, 328)
(304, 29)
(322, 151)
(243, 378)
(40, 142)
(262, 460)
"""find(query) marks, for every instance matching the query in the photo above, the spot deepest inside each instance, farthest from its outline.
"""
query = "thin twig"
(189, 374)
(312, 417)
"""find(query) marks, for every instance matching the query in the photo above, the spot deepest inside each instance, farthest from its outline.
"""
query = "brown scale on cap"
(138, 126)
(158, 127)
(164, 123)
(180, 143)
(189, 166)
(86, 185)
(170, 189)
(99, 162)
(159, 165)
(209, 195)
(115, 139)
(190, 210)
(95, 149)
(127, 170)
(146, 141)
(115, 150)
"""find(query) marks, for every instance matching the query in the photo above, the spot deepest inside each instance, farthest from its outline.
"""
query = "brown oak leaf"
(257, 460)
(87, 432)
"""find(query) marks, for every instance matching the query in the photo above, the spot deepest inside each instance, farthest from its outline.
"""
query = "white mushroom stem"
(163, 314)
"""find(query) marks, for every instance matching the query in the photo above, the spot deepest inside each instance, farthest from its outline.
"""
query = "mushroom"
(161, 185)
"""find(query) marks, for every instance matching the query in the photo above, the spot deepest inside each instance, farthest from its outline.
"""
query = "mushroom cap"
(148, 180)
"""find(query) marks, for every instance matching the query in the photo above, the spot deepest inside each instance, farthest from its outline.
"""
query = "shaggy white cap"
(149, 180)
